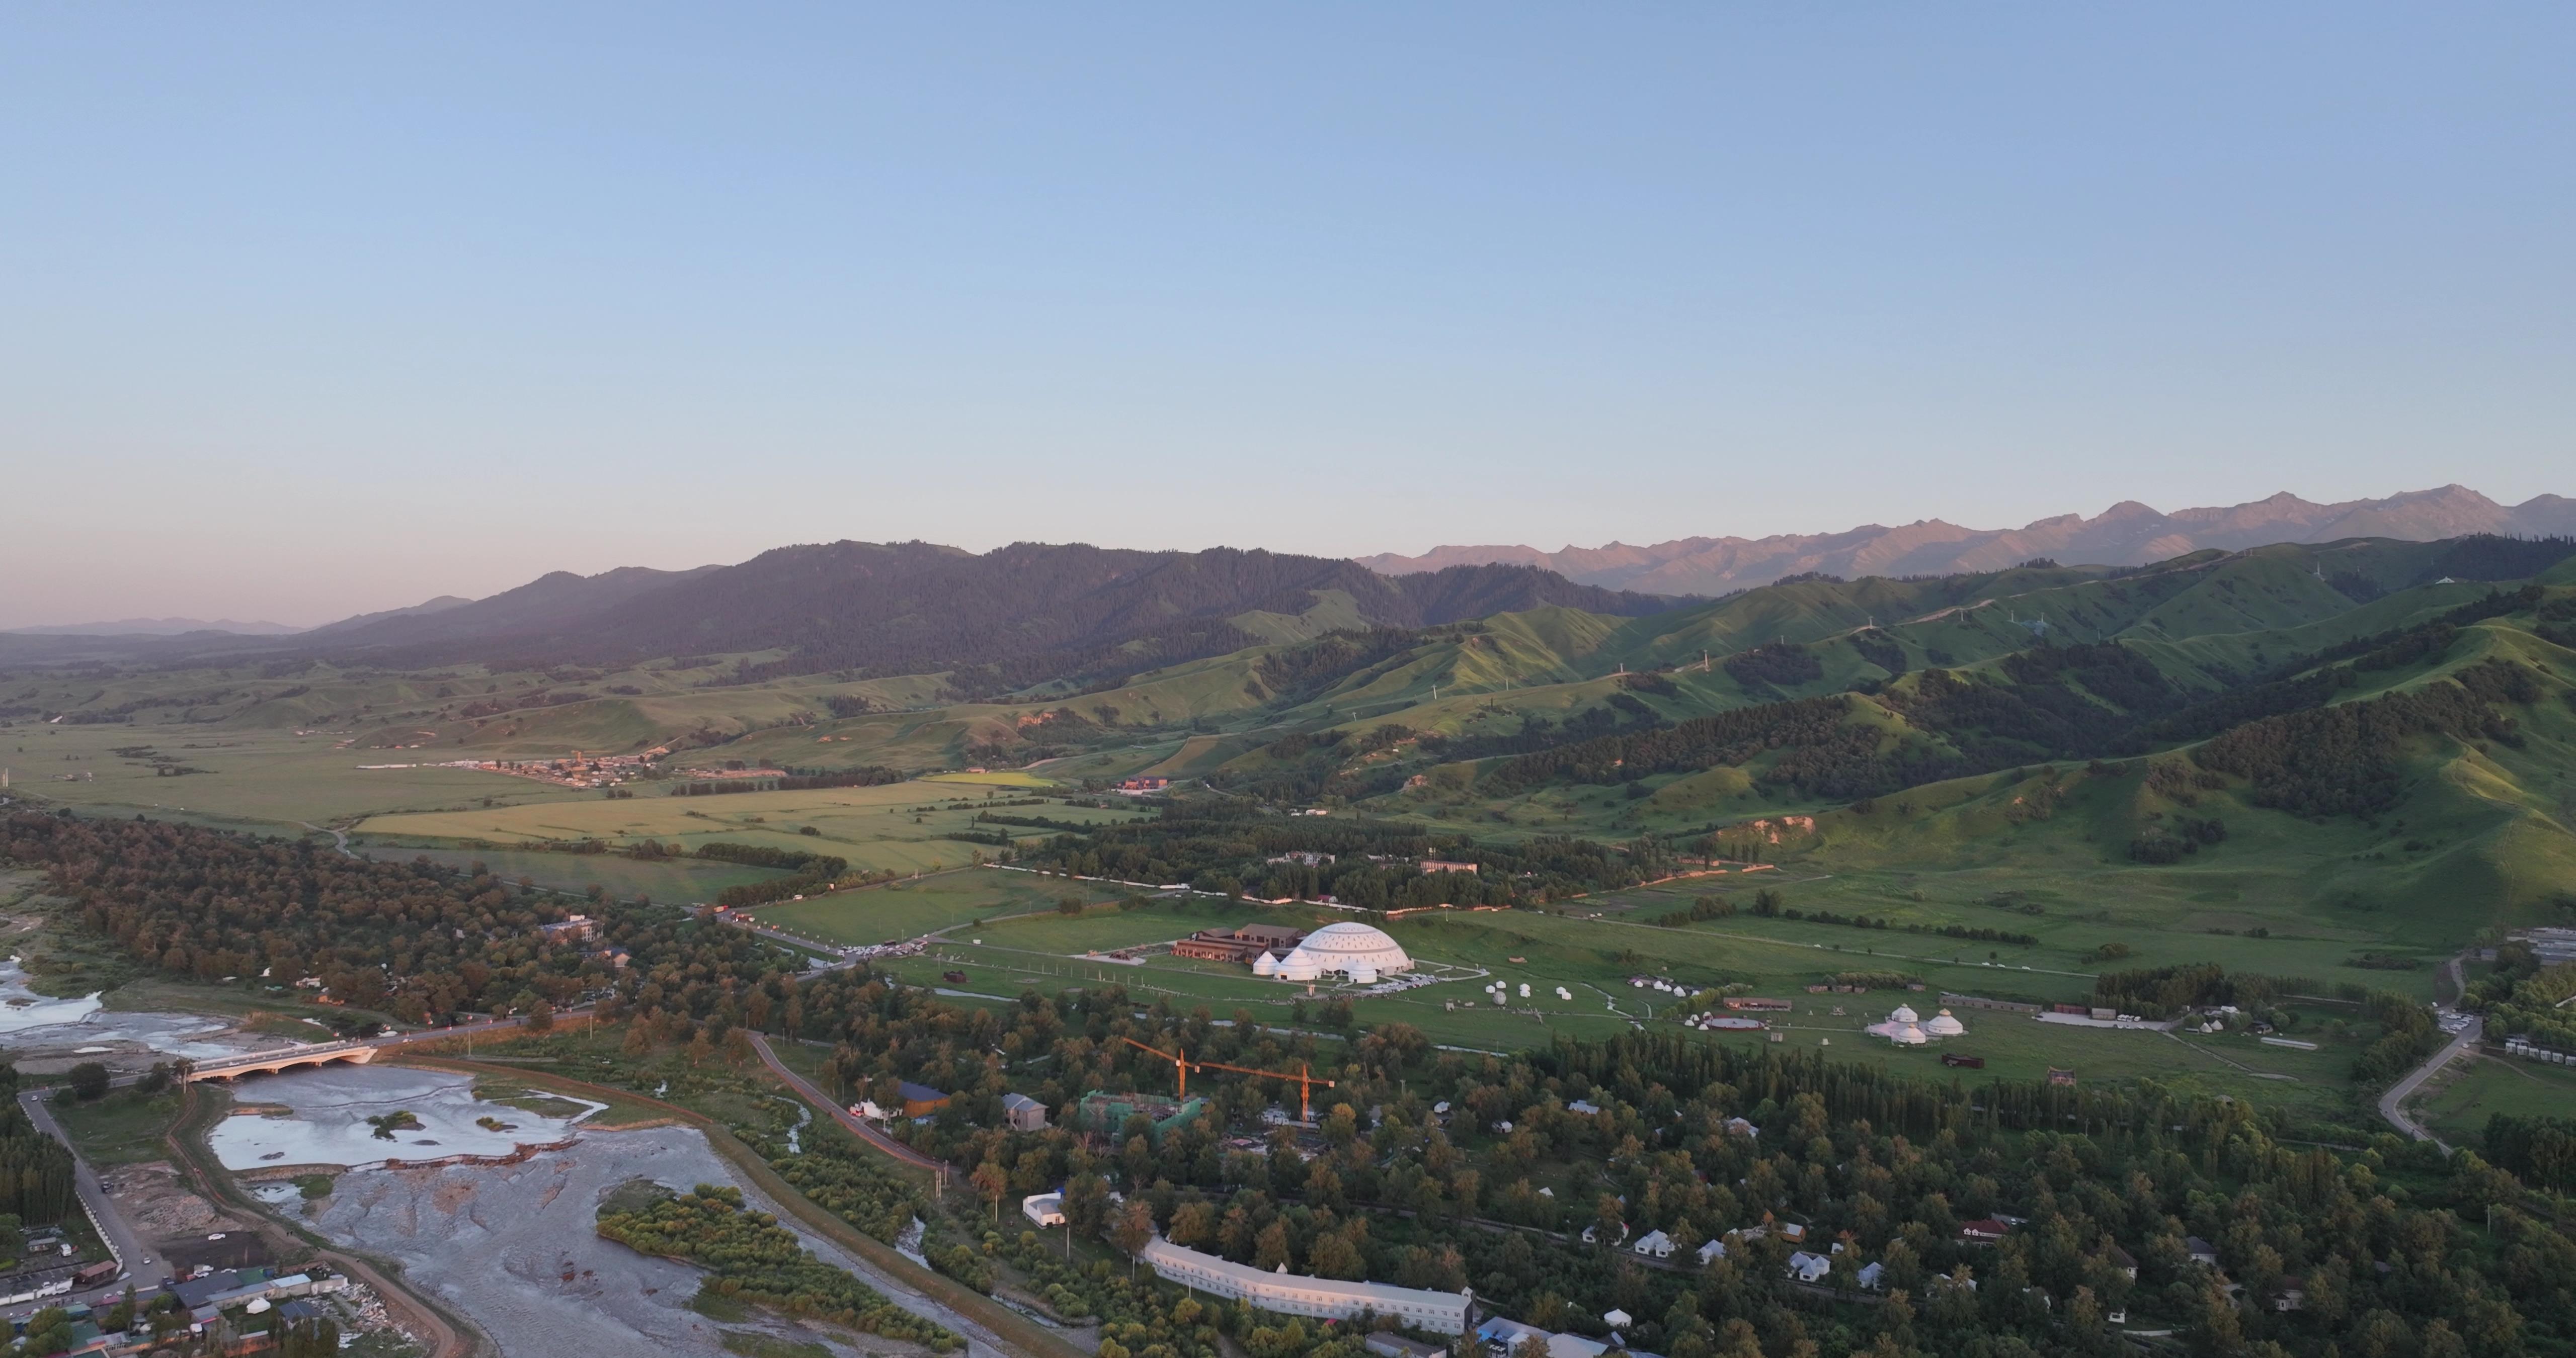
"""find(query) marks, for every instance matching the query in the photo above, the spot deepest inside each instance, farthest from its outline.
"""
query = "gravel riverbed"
(515, 1247)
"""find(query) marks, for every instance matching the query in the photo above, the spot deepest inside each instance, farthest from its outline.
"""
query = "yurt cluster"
(1905, 1028)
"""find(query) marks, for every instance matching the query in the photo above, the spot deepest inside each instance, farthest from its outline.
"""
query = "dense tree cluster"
(1782, 664)
(1702, 742)
(411, 939)
(750, 1257)
(1302, 671)
(1880, 649)
(2539, 1150)
(2100, 1180)
(35, 1169)
(2345, 759)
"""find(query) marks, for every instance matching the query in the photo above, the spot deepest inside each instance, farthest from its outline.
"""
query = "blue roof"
(914, 1091)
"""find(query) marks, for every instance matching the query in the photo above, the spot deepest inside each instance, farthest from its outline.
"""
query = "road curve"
(858, 1126)
(2390, 1102)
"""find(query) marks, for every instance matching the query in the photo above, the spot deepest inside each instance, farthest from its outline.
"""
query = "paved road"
(142, 1267)
(858, 1126)
(2470, 1030)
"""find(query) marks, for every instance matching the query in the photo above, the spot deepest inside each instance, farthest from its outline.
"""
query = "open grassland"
(660, 879)
(2457, 1103)
(909, 909)
(271, 781)
(1593, 959)
(898, 827)
(122, 1128)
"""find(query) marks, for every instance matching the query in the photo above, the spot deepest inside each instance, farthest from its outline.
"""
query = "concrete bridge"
(284, 1058)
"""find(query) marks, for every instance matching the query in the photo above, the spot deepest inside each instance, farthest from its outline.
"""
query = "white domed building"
(1944, 1025)
(1360, 951)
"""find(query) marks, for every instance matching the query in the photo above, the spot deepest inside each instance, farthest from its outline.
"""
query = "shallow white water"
(22, 1009)
(32, 1023)
(331, 1106)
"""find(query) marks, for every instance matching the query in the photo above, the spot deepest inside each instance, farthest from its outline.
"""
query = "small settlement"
(241, 1310)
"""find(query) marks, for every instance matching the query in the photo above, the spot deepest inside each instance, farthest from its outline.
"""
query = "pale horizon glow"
(315, 312)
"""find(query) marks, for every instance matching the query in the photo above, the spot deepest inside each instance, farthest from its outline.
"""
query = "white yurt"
(1943, 1025)
(1265, 965)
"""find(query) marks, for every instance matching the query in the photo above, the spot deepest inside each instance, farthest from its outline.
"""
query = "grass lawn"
(2457, 1103)
(908, 909)
(123, 1128)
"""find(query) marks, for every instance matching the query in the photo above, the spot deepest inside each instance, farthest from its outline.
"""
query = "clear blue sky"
(306, 309)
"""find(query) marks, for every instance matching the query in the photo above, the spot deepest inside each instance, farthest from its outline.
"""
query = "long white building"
(1292, 1295)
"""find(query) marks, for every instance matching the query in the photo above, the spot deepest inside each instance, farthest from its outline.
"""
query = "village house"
(570, 929)
(1023, 1114)
(1239, 945)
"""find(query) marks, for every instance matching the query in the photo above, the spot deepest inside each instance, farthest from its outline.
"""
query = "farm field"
(2457, 1103)
(899, 827)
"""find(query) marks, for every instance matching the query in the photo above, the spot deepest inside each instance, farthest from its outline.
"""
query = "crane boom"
(1182, 1065)
(1304, 1076)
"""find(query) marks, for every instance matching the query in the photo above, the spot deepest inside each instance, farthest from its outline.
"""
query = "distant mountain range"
(1021, 614)
(157, 627)
(2126, 534)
